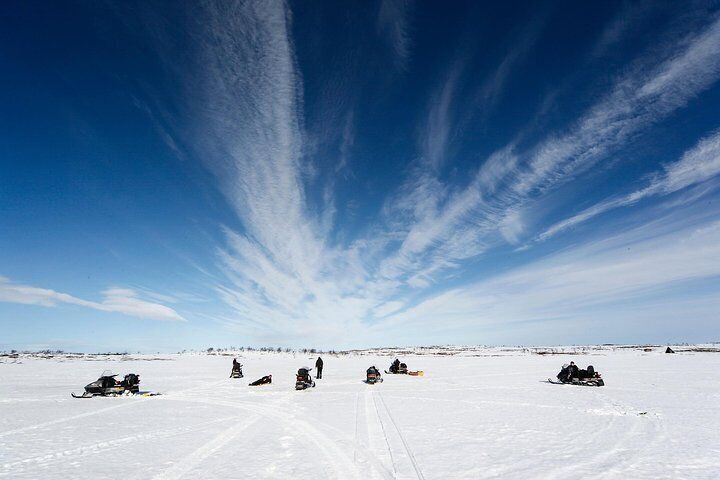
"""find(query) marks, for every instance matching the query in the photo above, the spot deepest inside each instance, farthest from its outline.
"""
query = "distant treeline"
(305, 351)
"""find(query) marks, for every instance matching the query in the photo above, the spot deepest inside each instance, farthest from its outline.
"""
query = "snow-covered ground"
(485, 416)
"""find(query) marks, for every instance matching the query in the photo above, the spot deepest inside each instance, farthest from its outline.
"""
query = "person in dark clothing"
(262, 381)
(573, 371)
(236, 369)
(373, 375)
(395, 366)
(568, 372)
(319, 367)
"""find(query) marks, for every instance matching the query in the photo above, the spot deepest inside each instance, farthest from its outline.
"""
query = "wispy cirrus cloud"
(696, 166)
(579, 285)
(393, 24)
(286, 275)
(115, 300)
(491, 204)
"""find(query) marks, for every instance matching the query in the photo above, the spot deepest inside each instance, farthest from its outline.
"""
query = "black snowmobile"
(398, 368)
(303, 379)
(108, 386)
(572, 375)
(236, 371)
(373, 376)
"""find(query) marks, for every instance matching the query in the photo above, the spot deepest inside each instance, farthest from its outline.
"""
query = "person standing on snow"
(319, 367)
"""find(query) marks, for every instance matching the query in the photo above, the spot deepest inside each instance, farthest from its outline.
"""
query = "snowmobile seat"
(108, 382)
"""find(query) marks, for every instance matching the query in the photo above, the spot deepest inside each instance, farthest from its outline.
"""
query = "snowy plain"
(483, 413)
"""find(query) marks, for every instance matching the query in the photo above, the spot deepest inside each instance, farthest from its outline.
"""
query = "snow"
(482, 413)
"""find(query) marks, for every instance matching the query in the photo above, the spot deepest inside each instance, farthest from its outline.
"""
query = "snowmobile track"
(336, 458)
(134, 401)
(387, 442)
(74, 417)
(105, 446)
(411, 456)
(191, 461)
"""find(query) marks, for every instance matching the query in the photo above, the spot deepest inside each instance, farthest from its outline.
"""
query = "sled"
(416, 373)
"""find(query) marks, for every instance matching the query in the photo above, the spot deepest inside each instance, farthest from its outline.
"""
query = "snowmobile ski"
(126, 394)
(83, 395)
(590, 382)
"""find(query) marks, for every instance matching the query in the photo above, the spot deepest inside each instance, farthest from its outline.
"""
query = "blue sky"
(338, 174)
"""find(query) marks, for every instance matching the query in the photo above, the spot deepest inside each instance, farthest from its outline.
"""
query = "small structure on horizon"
(669, 350)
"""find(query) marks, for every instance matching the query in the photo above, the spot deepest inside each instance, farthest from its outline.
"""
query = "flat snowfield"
(468, 417)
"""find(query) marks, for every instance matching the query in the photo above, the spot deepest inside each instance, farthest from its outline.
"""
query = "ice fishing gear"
(108, 386)
(373, 376)
(303, 379)
(572, 375)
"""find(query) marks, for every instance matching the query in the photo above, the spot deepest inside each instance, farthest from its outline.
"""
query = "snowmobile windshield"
(108, 373)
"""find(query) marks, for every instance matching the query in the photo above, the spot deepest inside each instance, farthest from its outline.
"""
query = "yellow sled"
(417, 373)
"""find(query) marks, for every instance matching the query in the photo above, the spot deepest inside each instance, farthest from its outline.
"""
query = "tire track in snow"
(411, 456)
(183, 467)
(76, 417)
(643, 427)
(106, 445)
(364, 444)
(387, 442)
(132, 401)
(338, 460)
(357, 421)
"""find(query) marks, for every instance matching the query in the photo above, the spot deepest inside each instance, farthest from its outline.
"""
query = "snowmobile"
(398, 368)
(571, 375)
(373, 376)
(303, 379)
(237, 371)
(108, 386)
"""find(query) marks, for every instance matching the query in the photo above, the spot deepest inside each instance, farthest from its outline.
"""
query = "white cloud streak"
(393, 24)
(629, 268)
(285, 276)
(449, 226)
(697, 165)
(115, 300)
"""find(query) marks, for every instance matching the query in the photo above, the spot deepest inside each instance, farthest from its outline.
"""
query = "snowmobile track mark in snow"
(106, 445)
(100, 410)
(411, 456)
(344, 469)
(387, 442)
(195, 458)
(357, 421)
(74, 417)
